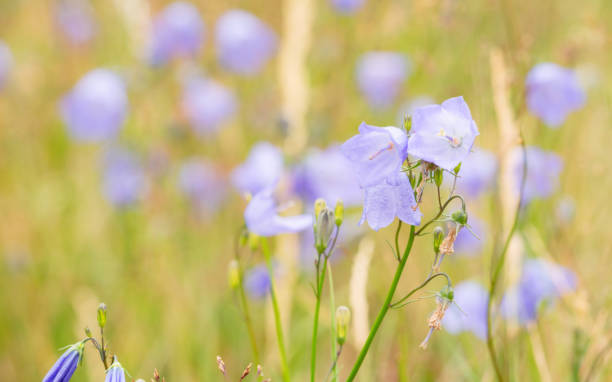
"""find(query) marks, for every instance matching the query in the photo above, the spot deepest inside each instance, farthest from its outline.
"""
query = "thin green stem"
(423, 284)
(332, 305)
(384, 309)
(315, 325)
(448, 201)
(499, 266)
(277, 319)
(397, 232)
(247, 318)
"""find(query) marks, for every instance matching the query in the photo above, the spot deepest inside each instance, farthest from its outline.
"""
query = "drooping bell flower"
(380, 76)
(124, 180)
(376, 154)
(383, 202)
(96, 107)
(244, 43)
(115, 372)
(553, 92)
(543, 169)
(257, 281)
(469, 311)
(442, 134)
(347, 6)
(66, 365)
(542, 282)
(178, 32)
(477, 174)
(75, 20)
(262, 169)
(207, 104)
(327, 174)
(262, 217)
(6, 63)
(202, 183)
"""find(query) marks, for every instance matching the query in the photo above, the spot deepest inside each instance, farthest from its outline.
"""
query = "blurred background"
(130, 131)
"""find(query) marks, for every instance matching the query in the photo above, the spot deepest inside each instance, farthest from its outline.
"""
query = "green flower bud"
(438, 176)
(102, 315)
(339, 212)
(253, 241)
(447, 293)
(460, 217)
(343, 319)
(324, 228)
(233, 274)
(319, 206)
(438, 237)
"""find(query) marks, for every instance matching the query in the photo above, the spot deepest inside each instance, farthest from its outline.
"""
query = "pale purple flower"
(262, 218)
(347, 6)
(6, 63)
(178, 32)
(207, 104)
(262, 168)
(383, 202)
(543, 169)
(442, 134)
(327, 174)
(469, 312)
(124, 179)
(477, 175)
(75, 20)
(115, 372)
(96, 107)
(380, 76)
(376, 153)
(553, 92)
(257, 281)
(244, 43)
(66, 365)
(466, 243)
(203, 183)
(542, 282)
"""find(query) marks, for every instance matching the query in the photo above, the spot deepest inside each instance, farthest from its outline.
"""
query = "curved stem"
(277, 320)
(397, 232)
(500, 264)
(384, 309)
(448, 201)
(423, 284)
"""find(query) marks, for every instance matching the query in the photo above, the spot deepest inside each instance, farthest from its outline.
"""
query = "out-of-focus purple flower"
(477, 173)
(115, 372)
(262, 218)
(553, 92)
(377, 154)
(466, 243)
(543, 169)
(257, 281)
(202, 183)
(443, 134)
(408, 107)
(207, 104)
(244, 43)
(327, 174)
(124, 180)
(262, 168)
(65, 366)
(380, 76)
(75, 19)
(541, 282)
(470, 311)
(383, 202)
(178, 32)
(6, 63)
(96, 107)
(566, 210)
(347, 6)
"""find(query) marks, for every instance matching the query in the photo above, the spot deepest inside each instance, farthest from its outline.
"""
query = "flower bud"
(253, 241)
(339, 212)
(438, 237)
(460, 217)
(447, 293)
(102, 315)
(438, 176)
(407, 123)
(233, 274)
(343, 319)
(319, 206)
(323, 229)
